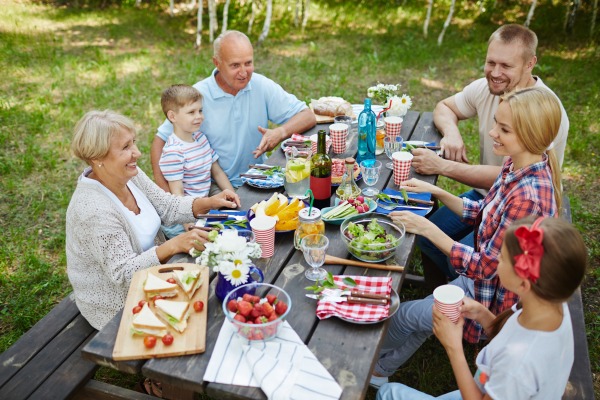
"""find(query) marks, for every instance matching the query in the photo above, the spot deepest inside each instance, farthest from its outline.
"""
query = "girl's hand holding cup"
(449, 334)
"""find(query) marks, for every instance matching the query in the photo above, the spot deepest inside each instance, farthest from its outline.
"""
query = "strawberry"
(271, 298)
(280, 308)
(247, 297)
(232, 305)
(255, 299)
(258, 335)
(239, 317)
(268, 309)
(244, 308)
(272, 317)
(261, 320)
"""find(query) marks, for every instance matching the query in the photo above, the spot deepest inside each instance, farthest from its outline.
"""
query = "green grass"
(59, 62)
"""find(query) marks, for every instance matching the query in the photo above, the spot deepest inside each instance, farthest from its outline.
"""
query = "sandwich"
(156, 286)
(145, 323)
(175, 313)
(189, 280)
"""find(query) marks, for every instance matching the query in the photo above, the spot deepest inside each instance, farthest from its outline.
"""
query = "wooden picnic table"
(347, 350)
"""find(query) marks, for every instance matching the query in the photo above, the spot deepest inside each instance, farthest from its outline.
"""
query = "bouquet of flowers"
(229, 254)
(388, 96)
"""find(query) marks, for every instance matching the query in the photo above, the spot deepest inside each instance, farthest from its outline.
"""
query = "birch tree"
(199, 24)
(427, 18)
(213, 25)
(570, 18)
(225, 16)
(530, 13)
(267, 25)
(252, 15)
(446, 23)
(171, 7)
(594, 15)
(305, 14)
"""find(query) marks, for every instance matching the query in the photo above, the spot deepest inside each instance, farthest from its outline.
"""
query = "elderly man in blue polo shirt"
(238, 105)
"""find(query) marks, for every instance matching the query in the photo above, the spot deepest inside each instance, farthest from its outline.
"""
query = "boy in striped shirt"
(187, 161)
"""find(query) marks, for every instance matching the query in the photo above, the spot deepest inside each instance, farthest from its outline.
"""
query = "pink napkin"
(358, 312)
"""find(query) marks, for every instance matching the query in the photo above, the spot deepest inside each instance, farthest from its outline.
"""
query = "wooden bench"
(46, 362)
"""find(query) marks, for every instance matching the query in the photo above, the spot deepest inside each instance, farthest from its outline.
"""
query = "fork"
(391, 207)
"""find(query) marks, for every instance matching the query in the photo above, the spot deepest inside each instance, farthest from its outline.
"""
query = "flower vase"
(223, 286)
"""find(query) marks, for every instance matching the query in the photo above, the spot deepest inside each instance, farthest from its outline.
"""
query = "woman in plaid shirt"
(527, 122)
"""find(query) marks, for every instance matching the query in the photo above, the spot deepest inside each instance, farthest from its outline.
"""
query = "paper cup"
(393, 126)
(401, 161)
(264, 234)
(447, 299)
(338, 134)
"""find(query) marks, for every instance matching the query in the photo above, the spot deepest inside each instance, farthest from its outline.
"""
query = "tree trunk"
(252, 15)
(213, 25)
(530, 14)
(171, 7)
(447, 23)
(427, 18)
(225, 15)
(267, 25)
(305, 14)
(594, 15)
(192, 4)
(297, 13)
(572, 11)
(199, 24)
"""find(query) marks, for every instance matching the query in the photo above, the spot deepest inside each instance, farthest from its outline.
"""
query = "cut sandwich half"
(175, 313)
(145, 323)
(156, 286)
(189, 280)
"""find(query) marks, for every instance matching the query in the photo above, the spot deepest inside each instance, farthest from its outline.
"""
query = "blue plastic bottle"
(366, 133)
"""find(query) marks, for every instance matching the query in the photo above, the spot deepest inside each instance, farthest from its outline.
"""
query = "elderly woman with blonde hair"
(114, 217)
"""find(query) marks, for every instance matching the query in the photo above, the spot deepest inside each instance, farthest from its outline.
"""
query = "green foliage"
(64, 58)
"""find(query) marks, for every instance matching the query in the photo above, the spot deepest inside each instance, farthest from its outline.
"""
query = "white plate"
(393, 308)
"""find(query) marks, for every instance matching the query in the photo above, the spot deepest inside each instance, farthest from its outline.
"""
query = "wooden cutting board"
(323, 119)
(191, 341)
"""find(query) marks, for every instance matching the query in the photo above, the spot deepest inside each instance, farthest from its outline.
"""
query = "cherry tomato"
(137, 309)
(199, 306)
(142, 302)
(167, 339)
(171, 280)
(157, 297)
(149, 341)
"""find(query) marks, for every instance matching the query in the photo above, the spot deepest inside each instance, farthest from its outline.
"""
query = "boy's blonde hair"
(177, 96)
(536, 117)
(94, 131)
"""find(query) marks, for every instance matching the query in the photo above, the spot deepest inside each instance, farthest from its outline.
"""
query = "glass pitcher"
(297, 173)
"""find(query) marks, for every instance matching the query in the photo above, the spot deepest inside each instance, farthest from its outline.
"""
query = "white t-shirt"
(145, 224)
(521, 363)
(475, 100)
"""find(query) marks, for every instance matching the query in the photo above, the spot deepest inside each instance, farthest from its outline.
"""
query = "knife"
(214, 216)
(254, 176)
(348, 299)
(410, 199)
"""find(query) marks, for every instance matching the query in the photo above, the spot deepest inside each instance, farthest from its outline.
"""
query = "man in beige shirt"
(510, 59)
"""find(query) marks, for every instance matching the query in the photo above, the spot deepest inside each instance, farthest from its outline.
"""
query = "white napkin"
(284, 367)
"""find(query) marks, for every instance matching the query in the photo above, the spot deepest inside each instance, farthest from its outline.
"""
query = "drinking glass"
(370, 175)
(392, 144)
(314, 248)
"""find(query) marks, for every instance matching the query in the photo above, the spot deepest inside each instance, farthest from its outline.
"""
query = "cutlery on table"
(348, 299)
(214, 216)
(332, 260)
(410, 199)
(203, 228)
(261, 167)
(393, 206)
(254, 176)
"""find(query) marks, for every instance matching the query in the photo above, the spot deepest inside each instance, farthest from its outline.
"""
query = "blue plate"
(272, 182)
(211, 221)
(338, 221)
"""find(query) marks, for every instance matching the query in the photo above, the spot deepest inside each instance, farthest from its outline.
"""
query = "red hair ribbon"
(527, 265)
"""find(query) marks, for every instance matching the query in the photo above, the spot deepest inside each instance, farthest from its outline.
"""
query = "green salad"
(370, 238)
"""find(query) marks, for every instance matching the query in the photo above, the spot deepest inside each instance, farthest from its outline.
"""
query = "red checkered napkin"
(358, 312)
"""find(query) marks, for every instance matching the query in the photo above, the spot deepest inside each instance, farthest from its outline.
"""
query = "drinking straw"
(384, 110)
(309, 193)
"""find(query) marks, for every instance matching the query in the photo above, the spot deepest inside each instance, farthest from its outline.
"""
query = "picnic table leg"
(176, 392)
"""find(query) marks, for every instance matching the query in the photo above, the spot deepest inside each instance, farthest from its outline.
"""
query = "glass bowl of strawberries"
(257, 316)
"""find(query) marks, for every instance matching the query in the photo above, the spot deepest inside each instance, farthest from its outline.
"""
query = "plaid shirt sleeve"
(483, 264)
(470, 210)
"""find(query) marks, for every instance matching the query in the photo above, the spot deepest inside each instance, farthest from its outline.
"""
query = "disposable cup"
(338, 134)
(393, 126)
(264, 234)
(447, 299)
(402, 161)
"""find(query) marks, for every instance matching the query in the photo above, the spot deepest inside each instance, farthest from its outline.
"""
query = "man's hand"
(453, 148)
(270, 139)
(427, 162)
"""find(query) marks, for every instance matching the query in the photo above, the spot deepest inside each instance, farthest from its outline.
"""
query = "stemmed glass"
(392, 144)
(314, 248)
(370, 175)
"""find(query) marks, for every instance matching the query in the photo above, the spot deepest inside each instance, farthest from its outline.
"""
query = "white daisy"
(236, 274)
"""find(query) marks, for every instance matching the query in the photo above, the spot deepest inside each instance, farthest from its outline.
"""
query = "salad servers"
(332, 260)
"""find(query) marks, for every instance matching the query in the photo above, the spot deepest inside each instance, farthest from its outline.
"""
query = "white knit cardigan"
(103, 252)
